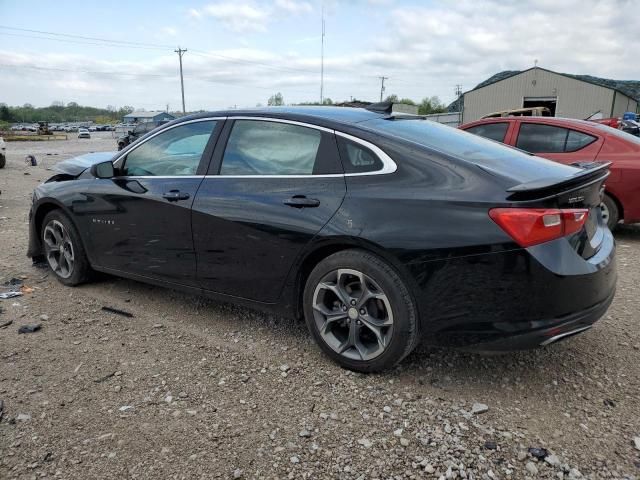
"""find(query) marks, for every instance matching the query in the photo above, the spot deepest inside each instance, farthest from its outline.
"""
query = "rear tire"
(360, 311)
(610, 212)
(3, 160)
(63, 249)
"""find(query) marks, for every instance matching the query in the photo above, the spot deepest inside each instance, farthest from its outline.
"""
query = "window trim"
(388, 164)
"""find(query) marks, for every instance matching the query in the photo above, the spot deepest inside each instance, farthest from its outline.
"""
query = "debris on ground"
(31, 161)
(30, 328)
(5, 295)
(6, 324)
(13, 282)
(1, 409)
(539, 453)
(117, 311)
(26, 289)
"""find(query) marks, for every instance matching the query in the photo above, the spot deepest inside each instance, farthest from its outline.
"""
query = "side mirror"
(103, 170)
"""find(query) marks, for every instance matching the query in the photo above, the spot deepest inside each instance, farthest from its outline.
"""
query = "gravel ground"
(190, 388)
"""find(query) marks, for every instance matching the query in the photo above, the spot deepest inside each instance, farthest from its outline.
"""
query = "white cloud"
(239, 17)
(294, 6)
(169, 31)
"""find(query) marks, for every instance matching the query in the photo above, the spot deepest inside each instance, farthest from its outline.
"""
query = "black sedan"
(381, 230)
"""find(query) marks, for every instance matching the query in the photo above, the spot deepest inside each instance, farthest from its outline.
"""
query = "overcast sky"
(242, 51)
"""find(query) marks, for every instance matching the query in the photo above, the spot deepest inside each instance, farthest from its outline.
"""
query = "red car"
(568, 141)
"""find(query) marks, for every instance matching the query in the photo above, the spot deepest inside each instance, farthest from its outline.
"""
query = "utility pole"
(322, 60)
(181, 52)
(458, 90)
(382, 79)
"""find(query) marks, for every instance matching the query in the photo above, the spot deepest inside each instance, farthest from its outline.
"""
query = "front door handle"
(175, 195)
(301, 201)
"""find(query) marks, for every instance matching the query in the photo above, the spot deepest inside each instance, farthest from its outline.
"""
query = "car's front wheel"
(63, 249)
(360, 311)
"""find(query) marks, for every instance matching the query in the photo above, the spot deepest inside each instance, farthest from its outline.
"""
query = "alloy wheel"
(58, 249)
(352, 314)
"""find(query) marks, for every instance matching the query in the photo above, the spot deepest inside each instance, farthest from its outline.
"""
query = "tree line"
(58, 112)
(427, 106)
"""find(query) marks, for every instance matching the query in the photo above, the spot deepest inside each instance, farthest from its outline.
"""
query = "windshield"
(471, 148)
(618, 133)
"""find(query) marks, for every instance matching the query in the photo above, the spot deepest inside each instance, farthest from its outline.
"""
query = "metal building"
(156, 117)
(570, 96)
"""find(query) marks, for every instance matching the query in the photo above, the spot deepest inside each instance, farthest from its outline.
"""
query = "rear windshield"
(617, 133)
(466, 146)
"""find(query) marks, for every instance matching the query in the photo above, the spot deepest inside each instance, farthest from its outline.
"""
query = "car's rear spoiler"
(591, 172)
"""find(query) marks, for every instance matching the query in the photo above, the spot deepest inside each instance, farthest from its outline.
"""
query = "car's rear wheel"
(63, 249)
(360, 311)
(3, 160)
(610, 212)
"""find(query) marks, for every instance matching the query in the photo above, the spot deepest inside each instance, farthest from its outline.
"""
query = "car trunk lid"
(583, 190)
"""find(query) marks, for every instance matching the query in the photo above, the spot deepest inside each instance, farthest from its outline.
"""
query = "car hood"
(76, 165)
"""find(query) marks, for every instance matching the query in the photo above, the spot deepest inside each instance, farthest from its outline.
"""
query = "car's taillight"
(531, 226)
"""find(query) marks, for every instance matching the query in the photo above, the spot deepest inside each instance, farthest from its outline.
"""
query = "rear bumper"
(515, 299)
(555, 330)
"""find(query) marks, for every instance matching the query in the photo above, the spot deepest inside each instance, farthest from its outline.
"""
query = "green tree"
(275, 100)
(393, 98)
(431, 105)
(407, 101)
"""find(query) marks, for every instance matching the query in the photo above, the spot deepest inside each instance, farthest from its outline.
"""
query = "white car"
(84, 133)
(93, 129)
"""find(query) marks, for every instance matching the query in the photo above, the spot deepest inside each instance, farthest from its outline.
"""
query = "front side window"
(492, 131)
(257, 147)
(174, 152)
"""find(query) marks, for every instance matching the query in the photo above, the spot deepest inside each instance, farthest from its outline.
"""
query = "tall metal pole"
(322, 60)
(382, 79)
(181, 52)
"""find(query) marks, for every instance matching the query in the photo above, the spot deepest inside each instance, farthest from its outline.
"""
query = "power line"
(69, 35)
(87, 40)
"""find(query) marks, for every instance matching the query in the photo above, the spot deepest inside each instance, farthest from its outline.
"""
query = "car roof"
(560, 121)
(312, 114)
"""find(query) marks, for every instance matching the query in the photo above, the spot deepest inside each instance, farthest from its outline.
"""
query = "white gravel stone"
(365, 442)
(479, 408)
(294, 459)
(552, 460)
(636, 442)
(531, 468)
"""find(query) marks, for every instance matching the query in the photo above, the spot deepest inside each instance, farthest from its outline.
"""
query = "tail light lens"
(531, 226)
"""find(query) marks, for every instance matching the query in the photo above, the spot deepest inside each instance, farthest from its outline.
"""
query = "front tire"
(63, 249)
(610, 212)
(3, 160)
(360, 311)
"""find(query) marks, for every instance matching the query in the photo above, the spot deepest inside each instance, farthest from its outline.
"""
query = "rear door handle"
(175, 195)
(301, 201)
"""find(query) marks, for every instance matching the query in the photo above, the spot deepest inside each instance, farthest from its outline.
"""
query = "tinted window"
(537, 138)
(176, 151)
(258, 147)
(577, 140)
(356, 158)
(471, 148)
(492, 131)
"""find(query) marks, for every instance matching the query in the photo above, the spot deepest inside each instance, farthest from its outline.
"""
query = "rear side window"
(258, 147)
(492, 131)
(537, 138)
(357, 158)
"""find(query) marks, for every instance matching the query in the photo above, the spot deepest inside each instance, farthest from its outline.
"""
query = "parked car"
(379, 230)
(3, 153)
(522, 112)
(92, 129)
(84, 133)
(568, 141)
